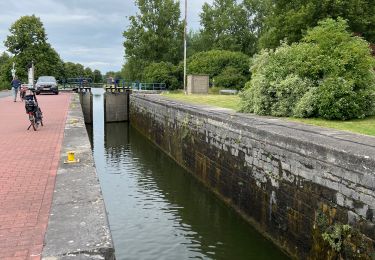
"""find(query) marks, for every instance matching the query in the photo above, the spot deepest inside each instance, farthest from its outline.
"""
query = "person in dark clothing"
(16, 84)
(117, 82)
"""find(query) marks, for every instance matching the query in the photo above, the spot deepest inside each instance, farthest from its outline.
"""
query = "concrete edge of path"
(78, 227)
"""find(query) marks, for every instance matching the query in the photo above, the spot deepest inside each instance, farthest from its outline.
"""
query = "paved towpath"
(28, 166)
(5, 93)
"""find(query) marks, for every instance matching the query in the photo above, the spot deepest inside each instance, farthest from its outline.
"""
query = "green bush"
(162, 72)
(328, 74)
(230, 77)
(226, 68)
(4, 85)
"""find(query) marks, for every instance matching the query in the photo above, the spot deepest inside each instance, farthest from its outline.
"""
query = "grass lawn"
(361, 126)
(225, 101)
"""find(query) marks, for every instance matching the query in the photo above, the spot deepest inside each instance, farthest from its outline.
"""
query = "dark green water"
(157, 210)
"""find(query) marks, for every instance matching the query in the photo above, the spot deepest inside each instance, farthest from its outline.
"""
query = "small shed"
(197, 84)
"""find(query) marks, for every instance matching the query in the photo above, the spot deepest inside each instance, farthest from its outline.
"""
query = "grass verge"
(362, 126)
(225, 101)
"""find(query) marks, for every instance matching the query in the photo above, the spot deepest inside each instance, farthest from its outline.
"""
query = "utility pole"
(185, 46)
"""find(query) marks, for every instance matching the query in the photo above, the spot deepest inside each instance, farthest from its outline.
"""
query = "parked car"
(46, 84)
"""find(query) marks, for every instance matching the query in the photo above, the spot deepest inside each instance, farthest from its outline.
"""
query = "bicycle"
(23, 90)
(33, 110)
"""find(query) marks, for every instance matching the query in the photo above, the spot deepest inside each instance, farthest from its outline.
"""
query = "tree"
(26, 32)
(5, 67)
(74, 70)
(110, 74)
(69, 70)
(5, 73)
(257, 12)
(162, 72)
(289, 20)
(28, 42)
(329, 74)
(226, 26)
(79, 70)
(226, 68)
(195, 43)
(47, 62)
(88, 73)
(154, 34)
(133, 69)
(4, 58)
(97, 76)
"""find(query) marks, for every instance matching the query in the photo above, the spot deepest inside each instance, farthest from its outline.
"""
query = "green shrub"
(230, 77)
(307, 105)
(339, 98)
(226, 68)
(4, 85)
(162, 72)
(328, 74)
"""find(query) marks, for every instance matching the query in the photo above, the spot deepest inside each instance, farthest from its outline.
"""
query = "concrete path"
(5, 93)
(28, 166)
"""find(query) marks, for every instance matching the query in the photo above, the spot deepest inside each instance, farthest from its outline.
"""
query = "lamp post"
(13, 71)
(30, 74)
(185, 45)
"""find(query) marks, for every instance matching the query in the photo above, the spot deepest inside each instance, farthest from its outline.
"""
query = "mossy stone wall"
(308, 189)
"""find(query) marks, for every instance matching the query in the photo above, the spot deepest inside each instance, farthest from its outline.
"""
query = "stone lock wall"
(310, 190)
(86, 104)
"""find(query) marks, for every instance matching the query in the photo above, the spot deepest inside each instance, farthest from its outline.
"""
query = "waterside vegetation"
(364, 126)
(306, 59)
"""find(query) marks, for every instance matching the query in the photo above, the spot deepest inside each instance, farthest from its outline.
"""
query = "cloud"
(86, 31)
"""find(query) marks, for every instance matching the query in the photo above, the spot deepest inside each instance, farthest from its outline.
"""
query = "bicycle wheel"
(39, 116)
(32, 122)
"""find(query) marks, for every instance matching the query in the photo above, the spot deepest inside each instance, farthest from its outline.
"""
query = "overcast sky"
(84, 31)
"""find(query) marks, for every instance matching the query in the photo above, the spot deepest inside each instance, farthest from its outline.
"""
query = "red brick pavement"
(28, 166)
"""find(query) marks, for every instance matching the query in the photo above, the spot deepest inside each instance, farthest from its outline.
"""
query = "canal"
(157, 210)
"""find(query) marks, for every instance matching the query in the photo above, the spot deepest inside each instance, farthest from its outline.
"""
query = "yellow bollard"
(71, 157)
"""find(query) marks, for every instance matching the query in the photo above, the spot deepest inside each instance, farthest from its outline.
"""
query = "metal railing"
(84, 84)
(80, 82)
(152, 86)
(123, 84)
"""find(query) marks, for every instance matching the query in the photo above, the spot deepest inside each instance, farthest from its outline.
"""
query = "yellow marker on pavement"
(71, 157)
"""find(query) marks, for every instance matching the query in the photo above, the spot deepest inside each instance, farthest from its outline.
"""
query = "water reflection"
(159, 211)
